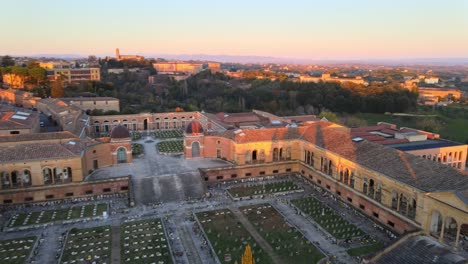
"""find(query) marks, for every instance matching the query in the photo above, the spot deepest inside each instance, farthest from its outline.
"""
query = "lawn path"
(261, 242)
(115, 253)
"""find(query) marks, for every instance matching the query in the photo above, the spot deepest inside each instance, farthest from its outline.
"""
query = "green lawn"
(16, 251)
(365, 250)
(176, 146)
(286, 240)
(168, 134)
(327, 218)
(46, 216)
(229, 237)
(88, 245)
(260, 189)
(144, 242)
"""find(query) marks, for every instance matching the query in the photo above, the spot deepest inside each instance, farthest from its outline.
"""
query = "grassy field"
(137, 149)
(260, 189)
(327, 218)
(168, 134)
(46, 216)
(229, 237)
(286, 240)
(88, 245)
(144, 242)
(16, 251)
(176, 146)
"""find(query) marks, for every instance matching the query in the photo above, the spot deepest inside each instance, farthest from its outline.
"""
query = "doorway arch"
(195, 149)
(121, 155)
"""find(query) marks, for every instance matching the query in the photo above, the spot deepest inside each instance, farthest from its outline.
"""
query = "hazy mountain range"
(281, 60)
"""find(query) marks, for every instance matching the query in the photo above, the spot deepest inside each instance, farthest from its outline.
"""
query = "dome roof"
(119, 132)
(194, 127)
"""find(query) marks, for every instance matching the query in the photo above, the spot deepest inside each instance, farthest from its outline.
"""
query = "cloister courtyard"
(177, 218)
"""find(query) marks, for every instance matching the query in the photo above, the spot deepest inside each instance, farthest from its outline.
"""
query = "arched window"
(254, 155)
(248, 157)
(275, 154)
(288, 153)
(365, 186)
(58, 175)
(378, 193)
(15, 179)
(5, 177)
(121, 155)
(195, 149)
(371, 188)
(262, 155)
(346, 176)
(351, 180)
(281, 154)
(67, 174)
(330, 170)
(26, 178)
(403, 204)
(394, 200)
(47, 176)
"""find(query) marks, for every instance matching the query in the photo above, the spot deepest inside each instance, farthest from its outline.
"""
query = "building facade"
(74, 75)
(401, 191)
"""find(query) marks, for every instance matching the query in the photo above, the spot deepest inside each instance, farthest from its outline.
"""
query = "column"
(398, 202)
(457, 236)
(442, 229)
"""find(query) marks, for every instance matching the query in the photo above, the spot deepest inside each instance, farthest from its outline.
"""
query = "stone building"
(49, 166)
(94, 103)
(401, 191)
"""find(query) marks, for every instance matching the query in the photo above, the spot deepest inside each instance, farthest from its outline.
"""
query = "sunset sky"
(301, 29)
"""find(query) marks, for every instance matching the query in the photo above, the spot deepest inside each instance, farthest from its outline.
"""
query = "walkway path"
(312, 233)
(115, 255)
(261, 242)
(184, 234)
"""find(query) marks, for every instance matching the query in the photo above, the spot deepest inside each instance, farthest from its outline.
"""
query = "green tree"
(330, 116)
(7, 61)
(57, 88)
(37, 75)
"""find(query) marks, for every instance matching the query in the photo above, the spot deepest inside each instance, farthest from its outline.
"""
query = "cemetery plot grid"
(16, 251)
(168, 134)
(264, 189)
(46, 216)
(90, 245)
(144, 242)
(327, 218)
(229, 237)
(285, 239)
(175, 146)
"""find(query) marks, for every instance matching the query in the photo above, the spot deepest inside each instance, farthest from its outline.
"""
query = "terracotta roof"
(36, 137)
(37, 151)
(421, 173)
(89, 99)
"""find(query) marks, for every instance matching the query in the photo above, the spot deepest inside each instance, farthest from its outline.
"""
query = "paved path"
(313, 234)
(190, 248)
(261, 242)
(115, 256)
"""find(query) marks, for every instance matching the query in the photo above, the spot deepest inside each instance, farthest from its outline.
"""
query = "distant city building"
(54, 65)
(94, 103)
(433, 94)
(417, 142)
(75, 75)
(214, 66)
(127, 57)
(326, 77)
(12, 80)
(431, 80)
(177, 67)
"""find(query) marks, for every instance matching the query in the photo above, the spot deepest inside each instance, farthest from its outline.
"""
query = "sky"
(308, 29)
